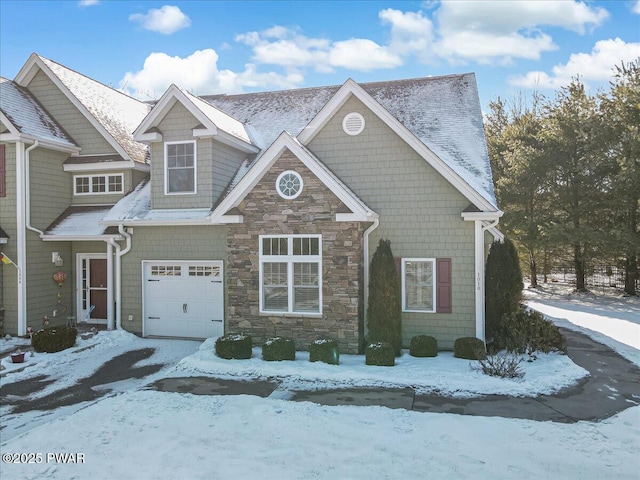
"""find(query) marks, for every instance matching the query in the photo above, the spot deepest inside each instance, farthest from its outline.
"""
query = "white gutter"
(27, 190)
(375, 224)
(118, 274)
(110, 318)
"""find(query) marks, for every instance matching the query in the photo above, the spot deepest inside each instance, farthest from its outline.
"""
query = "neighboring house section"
(69, 157)
(261, 211)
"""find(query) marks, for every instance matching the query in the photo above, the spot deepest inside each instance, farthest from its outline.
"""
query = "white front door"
(183, 299)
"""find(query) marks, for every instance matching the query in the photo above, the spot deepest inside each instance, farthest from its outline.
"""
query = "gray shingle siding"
(9, 285)
(216, 163)
(67, 115)
(419, 212)
(50, 196)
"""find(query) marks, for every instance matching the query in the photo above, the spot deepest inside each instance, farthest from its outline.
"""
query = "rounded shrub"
(423, 346)
(471, 348)
(381, 354)
(234, 346)
(279, 348)
(54, 339)
(324, 350)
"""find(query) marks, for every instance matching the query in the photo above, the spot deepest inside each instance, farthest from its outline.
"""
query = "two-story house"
(254, 213)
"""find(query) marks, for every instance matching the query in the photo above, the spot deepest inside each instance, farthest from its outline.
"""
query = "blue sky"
(235, 46)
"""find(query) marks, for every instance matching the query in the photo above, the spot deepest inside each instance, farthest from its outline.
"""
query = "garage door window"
(204, 271)
(290, 274)
(166, 270)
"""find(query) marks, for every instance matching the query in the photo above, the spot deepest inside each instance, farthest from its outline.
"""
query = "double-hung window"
(418, 284)
(291, 274)
(180, 167)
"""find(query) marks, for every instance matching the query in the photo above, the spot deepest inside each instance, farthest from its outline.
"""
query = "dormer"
(195, 150)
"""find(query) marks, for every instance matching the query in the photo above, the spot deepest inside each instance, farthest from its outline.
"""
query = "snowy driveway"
(49, 386)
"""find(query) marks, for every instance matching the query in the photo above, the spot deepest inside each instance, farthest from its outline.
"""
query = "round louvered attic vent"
(353, 123)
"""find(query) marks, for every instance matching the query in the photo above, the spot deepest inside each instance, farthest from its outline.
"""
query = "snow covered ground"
(609, 318)
(141, 434)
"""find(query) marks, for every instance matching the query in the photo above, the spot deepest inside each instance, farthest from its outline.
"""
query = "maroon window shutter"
(3, 172)
(443, 287)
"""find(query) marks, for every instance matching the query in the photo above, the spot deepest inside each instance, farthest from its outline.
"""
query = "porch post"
(21, 239)
(479, 278)
(110, 306)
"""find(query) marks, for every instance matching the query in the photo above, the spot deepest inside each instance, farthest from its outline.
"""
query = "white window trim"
(297, 194)
(195, 168)
(106, 182)
(434, 287)
(290, 259)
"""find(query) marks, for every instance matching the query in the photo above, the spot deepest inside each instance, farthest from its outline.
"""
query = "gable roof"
(26, 117)
(213, 121)
(442, 113)
(114, 114)
(359, 210)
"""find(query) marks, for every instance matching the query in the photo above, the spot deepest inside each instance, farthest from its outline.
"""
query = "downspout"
(375, 224)
(27, 190)
(119, 254)
(111, 244)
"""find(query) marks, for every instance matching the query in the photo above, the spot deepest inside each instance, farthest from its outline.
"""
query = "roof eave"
(46, 143)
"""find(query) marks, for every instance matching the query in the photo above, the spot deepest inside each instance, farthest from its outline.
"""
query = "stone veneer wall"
(313, 212)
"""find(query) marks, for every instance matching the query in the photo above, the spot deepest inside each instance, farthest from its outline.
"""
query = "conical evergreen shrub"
(503, 285)
(384, 312)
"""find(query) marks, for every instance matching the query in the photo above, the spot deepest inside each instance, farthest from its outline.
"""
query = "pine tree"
(570, 137)
(620, 110)
(520, 169)
(384, 312)
(503, 285)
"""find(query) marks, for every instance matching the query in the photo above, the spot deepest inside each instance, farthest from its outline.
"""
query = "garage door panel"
(184, 299)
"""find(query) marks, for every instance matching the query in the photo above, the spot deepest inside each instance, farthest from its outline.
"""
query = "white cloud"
(636, 7)
(88, 3)
(497, 31)
(167, 19)
(411, 32)
(596, 66)
(458, 32)
(199, 74)
(288, 48)
(362, 54)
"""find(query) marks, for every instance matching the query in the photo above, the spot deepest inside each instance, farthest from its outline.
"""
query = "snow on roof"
(118, 113)
(221, 119)
(79, 221)
(136, 206)
(443, 112)
(28, 116)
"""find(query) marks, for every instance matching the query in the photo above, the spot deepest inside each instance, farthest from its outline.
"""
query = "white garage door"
(183, 299)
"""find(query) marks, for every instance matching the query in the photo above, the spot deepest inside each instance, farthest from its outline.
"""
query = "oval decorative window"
(289, 184)
(353, 123)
